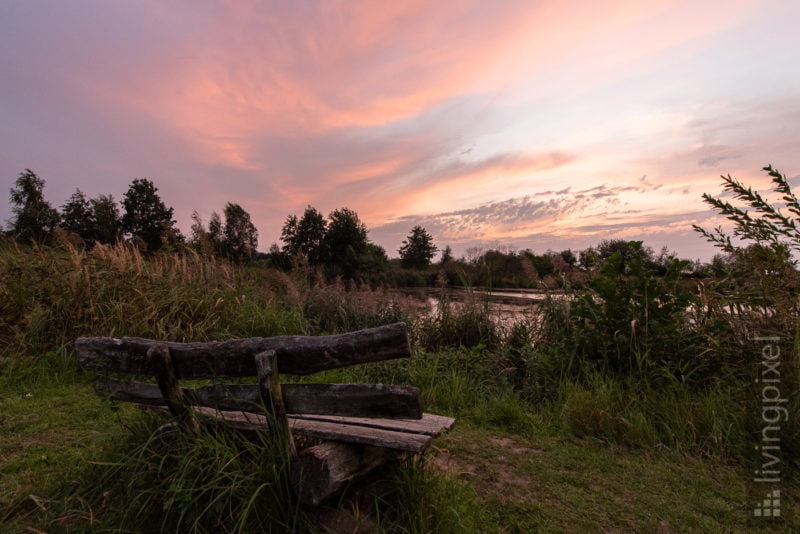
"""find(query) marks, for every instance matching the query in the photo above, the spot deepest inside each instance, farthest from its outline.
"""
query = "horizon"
(542, 126)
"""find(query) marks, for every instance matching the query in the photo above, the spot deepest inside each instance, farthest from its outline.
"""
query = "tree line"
(339, 243)
(144, 220)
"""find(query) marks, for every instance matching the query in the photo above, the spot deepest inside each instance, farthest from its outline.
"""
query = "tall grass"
(449, 324)
(50, 296)
(220, 481)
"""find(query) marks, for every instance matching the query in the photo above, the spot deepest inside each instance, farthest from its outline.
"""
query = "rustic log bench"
(361, 423)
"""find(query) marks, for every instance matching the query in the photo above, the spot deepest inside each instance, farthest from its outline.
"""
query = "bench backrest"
(170, 362)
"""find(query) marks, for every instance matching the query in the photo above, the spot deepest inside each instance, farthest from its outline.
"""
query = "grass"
(536, 447)
(542, 482)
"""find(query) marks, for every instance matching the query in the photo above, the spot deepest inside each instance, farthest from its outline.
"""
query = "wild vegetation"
(626, 404)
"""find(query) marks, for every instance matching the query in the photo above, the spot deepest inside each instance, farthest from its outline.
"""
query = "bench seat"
(412, 435)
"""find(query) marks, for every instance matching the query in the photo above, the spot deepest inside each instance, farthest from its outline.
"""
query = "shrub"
(631, 322)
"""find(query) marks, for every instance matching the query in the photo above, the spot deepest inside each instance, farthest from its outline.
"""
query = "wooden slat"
(429, 424)
(299, 355)
(361, 434)
(352, 400)
(380, 437)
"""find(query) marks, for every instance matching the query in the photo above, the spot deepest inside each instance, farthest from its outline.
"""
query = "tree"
(418, 249)
(215, 230)
(240, 237)
(447, 255)
(107, 225)
(542, 263)
(588, 259)
(569, 257)
(345, 242)
(628, 251)
(95, 221)
(146, 217)
(305, 236)
(199, 237)
(277, 258)
(34, 218)
(77, 217)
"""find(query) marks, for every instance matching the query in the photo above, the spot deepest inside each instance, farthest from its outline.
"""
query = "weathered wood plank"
(352, 400)
(272, 399)
(429, 424)
(378, 437)
(299, 355)
(323, 470)
(159, 358)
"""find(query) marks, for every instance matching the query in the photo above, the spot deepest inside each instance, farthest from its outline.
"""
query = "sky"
(512, 123)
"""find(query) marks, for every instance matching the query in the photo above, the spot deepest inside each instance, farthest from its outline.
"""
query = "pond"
(506, 305)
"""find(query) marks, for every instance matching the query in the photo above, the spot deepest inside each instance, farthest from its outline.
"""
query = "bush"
(632, 323)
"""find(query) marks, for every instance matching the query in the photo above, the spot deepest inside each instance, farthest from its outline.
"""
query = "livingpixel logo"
(773, 414)
(770, 506)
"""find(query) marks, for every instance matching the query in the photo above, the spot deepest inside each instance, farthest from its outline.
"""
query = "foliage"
(305, 237)
(770, 227)
(760, 268)
(569, 258)
(34, 218)
(338, 246)
(107, 224)
(630, 321)
(758, 294)
(95, 221)
(146, 216)
(345, 243)
(52, 296)
(220, 481)
(199, 237)
(447, 255)
(76, 216)
(418, 249)
(594, 257)
(215, 231)
(240, 237)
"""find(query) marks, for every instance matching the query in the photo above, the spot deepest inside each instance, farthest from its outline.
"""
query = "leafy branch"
(769, 226)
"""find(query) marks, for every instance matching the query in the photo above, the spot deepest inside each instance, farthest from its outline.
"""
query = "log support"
(321, 471)
(271, 396)
(159, 357)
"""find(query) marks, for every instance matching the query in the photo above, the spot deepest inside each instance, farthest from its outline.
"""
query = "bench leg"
(270, 387)
(161, 362)
(321, 471)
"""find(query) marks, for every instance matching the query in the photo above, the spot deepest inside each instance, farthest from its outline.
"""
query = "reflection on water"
(507, 306)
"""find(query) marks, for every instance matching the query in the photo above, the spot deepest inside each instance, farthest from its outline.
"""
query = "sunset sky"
(533, 124)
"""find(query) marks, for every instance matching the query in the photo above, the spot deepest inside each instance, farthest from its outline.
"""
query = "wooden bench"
(361, 423)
